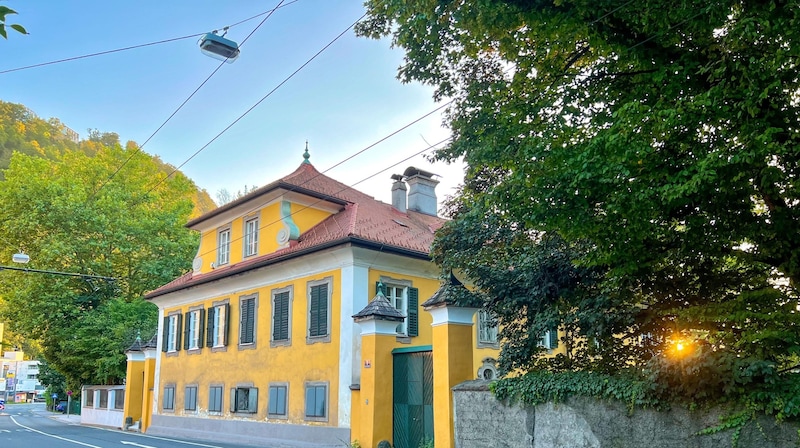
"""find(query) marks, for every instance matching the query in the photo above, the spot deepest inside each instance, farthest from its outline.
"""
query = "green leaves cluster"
(632, 174)
(60, 208)
(4, 11)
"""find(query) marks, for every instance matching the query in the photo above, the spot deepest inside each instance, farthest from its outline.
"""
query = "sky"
(343, 101)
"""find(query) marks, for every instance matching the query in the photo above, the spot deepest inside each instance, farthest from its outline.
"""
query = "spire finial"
(306, 155)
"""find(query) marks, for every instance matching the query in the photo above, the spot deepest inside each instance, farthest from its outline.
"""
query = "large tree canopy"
(656, 143)
(66, 214)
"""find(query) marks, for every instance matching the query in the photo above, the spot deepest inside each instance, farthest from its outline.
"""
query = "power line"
(256, 104)
(133, 47)
(139, 149)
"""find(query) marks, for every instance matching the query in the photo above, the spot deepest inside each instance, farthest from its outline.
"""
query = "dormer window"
(224, 246)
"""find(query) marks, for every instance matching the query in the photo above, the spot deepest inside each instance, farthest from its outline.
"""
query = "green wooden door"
(413, 399)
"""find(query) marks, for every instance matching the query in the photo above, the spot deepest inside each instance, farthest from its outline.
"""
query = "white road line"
(124, 442)
(52, 435)
(163, 438)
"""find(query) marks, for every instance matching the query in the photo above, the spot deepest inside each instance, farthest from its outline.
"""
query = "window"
(549, 339)
(217, 325)
(251, 237)
(277, 400)
(193, 330)
(281, 316)
(406, 300)
(89, 398)
(119, 398)
(169, 398)
(103, 399)
(171, 338)
(223, 246)
(316, 401)
(244, 399)
(215, 399)
(190, 398)
(247, 320)
(319, 310)
(487, 329)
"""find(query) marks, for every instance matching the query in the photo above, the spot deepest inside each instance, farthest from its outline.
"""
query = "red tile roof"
(363, 220)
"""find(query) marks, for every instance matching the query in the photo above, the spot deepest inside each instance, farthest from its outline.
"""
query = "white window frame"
(399, 301)
(193, 322)
(250, 246)
(487, 333)
(223, 246)
(172, 333)
(218, 331)
(545, 340)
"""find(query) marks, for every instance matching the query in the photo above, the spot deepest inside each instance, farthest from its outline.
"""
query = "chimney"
(422, 190)
(399, 193)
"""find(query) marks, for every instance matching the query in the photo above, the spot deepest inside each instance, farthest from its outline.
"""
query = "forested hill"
(21, 130)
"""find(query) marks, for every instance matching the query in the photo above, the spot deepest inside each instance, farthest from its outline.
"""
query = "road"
(30, 426)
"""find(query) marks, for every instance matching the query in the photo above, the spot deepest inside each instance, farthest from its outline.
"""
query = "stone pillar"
(378, 322)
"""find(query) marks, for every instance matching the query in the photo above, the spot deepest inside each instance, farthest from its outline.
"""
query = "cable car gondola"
(219, 48)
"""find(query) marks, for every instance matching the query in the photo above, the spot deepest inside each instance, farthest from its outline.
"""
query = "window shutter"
(201, 326)
(251, 320)
(323, 309)
(553, 335)
(165, 334)
(187, 327)
(413, 312)
(210, 327)
(280, 317)
(252, 400)
(178, 332)
(233, 399)
(227, 324)
(314, 311)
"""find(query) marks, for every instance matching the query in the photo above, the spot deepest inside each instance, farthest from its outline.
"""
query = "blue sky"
(345, 100)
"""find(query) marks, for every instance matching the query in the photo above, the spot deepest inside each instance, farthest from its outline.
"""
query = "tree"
(69, 217)
(224, 196)
(4, 11)
(657, 140)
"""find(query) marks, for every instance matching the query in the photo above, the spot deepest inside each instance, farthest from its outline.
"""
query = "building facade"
(259, 340)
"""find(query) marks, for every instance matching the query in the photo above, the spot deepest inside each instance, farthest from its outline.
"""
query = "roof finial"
(306, 155)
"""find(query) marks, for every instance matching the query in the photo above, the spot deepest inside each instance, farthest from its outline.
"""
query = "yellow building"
(260, 341)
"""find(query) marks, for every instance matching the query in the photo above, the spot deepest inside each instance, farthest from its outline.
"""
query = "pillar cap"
(452, 293)
(379, 308)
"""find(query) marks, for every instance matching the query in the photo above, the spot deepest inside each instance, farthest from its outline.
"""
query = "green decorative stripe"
(418, 348)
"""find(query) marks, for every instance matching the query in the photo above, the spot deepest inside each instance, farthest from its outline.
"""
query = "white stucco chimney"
(422, 190)
(399, 193)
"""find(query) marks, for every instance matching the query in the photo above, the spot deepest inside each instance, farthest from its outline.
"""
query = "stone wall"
(483, 422)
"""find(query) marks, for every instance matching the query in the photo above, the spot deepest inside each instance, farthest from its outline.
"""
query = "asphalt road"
(30, 426)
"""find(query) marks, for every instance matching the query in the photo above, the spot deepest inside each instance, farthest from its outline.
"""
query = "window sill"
(277, 417)
(494, 345)
(220, 348)
(316, 419)
(403, 339)
(250, 346)
(282, 343)
(318, 339)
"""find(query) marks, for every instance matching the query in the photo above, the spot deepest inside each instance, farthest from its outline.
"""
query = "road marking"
(136, 444)
(52, 435)
(4, 430)
(162, 438)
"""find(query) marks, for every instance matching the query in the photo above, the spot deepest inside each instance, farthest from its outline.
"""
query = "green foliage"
(55, 210)
(632, 175)
(4, 11)
(539, 386)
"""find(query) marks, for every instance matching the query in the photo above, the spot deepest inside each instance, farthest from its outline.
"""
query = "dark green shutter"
(227, 324)
(413, 312)
(187, 323)
(280, 317)
(210, 327)
(178, 332)
(247, 326)
(323, 309)
(165, 334)
(553, 334)
(201, 326)
(313, 312)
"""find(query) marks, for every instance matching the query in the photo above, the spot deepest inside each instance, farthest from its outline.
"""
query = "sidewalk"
(64, 418)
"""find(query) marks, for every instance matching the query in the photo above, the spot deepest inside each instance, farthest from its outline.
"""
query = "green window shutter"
(280, 317)
(252, 400)
(178, 332)
(227, 324)
(201, 326)
(210, 327)
(165, 334)
(413, 312)
(553, 334)
(247, 326)
(313, 312)
(323, 309)
(187, 321)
